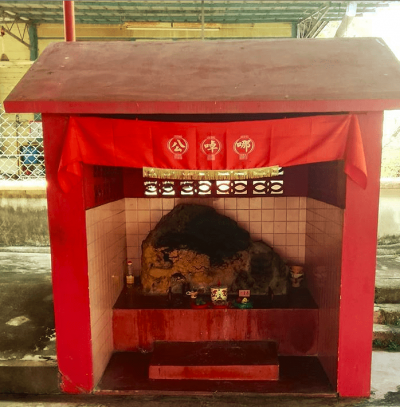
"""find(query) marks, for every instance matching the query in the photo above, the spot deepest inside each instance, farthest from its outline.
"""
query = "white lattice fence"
(21, 147)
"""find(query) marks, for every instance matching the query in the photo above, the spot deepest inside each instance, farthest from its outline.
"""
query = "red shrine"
(283, 137)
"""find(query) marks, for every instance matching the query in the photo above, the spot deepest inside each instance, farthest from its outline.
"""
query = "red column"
(358, 268)
(69, 21)
(67, 228)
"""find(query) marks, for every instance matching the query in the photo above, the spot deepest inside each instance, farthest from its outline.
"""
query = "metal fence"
(21, 146)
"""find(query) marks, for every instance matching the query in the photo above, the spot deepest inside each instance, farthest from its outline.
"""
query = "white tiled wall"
(323, 273)
(279, 222)
(106, 238)
(115, 232)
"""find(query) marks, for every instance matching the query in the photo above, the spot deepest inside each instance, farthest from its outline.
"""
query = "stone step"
(387, 282)
(387, 290)
(386, 337)
(215, 360)
(29, 377)
(387, 314)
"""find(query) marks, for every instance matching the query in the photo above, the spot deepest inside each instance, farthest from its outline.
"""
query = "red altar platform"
(105, 342)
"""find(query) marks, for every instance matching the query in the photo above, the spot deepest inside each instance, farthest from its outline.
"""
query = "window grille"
(21, 147)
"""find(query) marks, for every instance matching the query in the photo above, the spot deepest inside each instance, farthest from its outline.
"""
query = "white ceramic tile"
(231, 213)
(255, 227)
(144, 203)
(243, 203)
(137, 264)
(292, 251)
(267, 203)
(279, 215)
(230, 203)
(292, 239)
(144, 228)
(279, 239)
(131, 228)
(131, 216)
(156, 203)
(293, 202)
(143, 216)
(280, 203)
(293, 215)
(302, 215)
(255, 215)
(168, 203)
(267, 215)
(302, 253)
(255, 203)
(218, 204)
(292, 227)
(244, 225)
(155, 216)
(243, 215)
(132, 240)
(280, 227)
(267, 227)
(105, 278)
(268, 238)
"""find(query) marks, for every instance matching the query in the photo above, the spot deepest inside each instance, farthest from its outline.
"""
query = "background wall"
(389, 209)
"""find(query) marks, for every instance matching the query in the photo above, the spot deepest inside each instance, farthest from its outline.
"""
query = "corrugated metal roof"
(215, 11)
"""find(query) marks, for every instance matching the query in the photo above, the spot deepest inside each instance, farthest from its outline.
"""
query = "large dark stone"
(193, 244)
(203, 230)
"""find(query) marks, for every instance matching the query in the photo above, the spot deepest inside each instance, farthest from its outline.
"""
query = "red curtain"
(212, 146)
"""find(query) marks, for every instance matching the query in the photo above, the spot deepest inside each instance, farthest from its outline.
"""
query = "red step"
(215, 360)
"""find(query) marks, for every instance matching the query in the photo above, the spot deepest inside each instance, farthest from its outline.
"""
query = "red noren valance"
(212, 146)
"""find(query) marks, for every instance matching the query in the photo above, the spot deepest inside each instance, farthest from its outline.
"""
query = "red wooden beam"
(69, 21)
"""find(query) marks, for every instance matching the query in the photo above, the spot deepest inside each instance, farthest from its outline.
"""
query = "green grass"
(389, 240)
(390, 346)
(393, 347)
(23, 228)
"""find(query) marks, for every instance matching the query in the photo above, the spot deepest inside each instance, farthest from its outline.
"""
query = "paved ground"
(27, 334)
(26, 317)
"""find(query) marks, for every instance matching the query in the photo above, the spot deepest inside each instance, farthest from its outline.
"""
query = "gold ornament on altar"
(200, 175)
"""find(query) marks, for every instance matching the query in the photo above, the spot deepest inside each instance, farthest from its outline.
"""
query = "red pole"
(69, 21)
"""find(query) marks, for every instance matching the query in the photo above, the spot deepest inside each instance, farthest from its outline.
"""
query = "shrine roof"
(238, 76)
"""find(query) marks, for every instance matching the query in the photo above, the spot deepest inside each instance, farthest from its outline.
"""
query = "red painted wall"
(69, 267)
(295, 330)
(102, 185)
(358, 268)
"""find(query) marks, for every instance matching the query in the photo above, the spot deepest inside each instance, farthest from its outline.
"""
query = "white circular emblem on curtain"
(178, 146)
(210, 146)
(243, 146)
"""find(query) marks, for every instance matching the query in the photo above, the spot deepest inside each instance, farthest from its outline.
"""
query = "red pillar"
(67, 228)
(358, 268)
(69, 21)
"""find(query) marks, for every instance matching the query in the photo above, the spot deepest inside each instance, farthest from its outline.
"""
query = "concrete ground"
(27, 341)
(26, 303)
